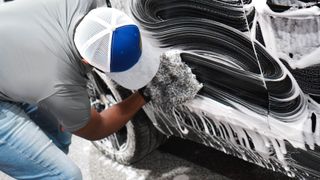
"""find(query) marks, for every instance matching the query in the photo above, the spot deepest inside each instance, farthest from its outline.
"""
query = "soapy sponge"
(174, 83)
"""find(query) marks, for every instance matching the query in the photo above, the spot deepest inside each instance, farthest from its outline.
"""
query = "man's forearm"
(119, 114)
(112, 119)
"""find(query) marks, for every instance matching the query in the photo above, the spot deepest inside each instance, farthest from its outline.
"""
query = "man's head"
(109, 40)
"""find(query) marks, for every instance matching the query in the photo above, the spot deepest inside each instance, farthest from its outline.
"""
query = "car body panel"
(254, 105)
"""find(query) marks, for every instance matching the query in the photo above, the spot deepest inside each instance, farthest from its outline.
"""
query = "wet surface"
(177, 159)
(217, 162)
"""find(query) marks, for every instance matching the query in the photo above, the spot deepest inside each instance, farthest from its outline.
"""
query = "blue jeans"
(32, 145)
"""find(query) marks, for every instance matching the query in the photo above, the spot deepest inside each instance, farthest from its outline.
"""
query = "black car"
(258, 62)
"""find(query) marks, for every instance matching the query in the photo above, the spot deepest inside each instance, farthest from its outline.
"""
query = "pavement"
(175, 160)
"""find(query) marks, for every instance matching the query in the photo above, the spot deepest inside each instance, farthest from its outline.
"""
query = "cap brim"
(141, 73)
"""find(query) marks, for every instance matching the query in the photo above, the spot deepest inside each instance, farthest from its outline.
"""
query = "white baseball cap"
(109, 40)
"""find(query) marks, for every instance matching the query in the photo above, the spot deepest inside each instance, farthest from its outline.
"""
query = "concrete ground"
(175, 160)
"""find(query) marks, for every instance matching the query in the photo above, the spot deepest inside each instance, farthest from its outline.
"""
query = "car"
(258, 64)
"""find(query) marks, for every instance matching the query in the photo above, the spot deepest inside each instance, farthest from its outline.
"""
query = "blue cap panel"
(125, 48)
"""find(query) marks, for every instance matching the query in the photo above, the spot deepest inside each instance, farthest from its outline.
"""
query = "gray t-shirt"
(39, 63)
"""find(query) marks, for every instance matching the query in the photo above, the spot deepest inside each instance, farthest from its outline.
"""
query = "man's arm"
(112, 119)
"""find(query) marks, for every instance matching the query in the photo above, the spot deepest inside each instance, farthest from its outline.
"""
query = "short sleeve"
(70, 106)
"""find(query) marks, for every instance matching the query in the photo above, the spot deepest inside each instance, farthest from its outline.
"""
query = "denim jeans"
(32, 145)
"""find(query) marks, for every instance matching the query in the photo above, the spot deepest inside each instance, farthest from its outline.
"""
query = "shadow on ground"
(214, 163)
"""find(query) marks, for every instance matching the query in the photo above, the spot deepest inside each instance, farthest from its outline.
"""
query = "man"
(46, 49)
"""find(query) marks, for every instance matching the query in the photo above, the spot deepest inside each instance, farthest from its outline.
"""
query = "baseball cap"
(109, 40)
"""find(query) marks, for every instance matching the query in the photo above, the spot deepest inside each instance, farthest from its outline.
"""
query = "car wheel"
(135, 140)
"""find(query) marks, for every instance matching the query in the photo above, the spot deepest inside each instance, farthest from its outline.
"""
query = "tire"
(134, 141)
